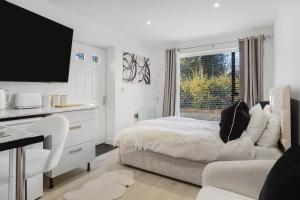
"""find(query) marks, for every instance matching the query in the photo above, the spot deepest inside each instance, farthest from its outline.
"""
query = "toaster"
(28, 100)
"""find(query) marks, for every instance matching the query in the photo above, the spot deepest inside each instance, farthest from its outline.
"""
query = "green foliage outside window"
(206, 83)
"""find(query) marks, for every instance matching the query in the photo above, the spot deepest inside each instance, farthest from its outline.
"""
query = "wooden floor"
(148, 186)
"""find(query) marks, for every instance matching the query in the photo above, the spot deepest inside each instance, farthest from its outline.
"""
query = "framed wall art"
(136, 69)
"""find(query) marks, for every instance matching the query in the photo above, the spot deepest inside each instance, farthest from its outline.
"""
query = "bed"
(190, 170)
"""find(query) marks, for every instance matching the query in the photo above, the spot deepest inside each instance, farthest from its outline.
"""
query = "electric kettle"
(4, 101)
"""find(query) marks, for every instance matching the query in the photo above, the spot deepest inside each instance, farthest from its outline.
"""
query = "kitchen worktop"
(13, 138)
(18, 113)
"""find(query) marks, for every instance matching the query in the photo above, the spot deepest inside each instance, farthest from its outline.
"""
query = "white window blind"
(208, 83)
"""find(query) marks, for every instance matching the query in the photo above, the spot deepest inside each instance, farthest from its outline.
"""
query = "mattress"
(183, 138)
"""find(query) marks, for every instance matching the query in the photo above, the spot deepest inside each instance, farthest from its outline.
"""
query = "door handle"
(104, 100)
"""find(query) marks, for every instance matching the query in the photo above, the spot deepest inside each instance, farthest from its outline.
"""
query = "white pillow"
(258, 123)
(271, 135)
(257, 109)
(239, 149)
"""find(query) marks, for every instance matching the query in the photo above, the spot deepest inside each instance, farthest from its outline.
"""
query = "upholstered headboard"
(280, 102)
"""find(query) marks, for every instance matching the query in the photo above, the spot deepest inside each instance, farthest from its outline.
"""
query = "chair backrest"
(55, 129)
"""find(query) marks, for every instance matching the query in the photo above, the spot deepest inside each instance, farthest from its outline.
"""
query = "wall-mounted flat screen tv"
(33, 48)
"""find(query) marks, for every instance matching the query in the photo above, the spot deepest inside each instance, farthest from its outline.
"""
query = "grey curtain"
(169, 103)
(251, 69)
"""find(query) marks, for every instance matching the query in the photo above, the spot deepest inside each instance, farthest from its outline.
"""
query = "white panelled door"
(87, 76)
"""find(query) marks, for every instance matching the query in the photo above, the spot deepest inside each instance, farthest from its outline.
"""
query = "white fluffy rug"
(109, 186)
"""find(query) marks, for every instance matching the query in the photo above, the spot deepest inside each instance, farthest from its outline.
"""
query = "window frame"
(208, 51)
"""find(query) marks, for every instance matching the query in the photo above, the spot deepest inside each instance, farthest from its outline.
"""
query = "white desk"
(16, 139)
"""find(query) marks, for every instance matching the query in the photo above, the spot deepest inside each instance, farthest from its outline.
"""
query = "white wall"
(124, 100)
(128, 98)
(268, 50)
(121, 106)
(287, 52)
(287, 46)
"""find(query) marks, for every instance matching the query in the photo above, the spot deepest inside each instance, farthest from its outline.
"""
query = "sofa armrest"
(242, 177)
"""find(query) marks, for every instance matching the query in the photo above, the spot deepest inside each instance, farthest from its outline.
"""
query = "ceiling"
(175, 20)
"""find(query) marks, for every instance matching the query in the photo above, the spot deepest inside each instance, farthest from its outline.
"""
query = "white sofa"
(234, 180)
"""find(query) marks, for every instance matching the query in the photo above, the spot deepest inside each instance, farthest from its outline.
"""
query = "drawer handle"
(75, 127)
(75, 151)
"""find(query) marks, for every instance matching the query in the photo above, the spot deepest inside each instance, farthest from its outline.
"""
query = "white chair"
(55, 129)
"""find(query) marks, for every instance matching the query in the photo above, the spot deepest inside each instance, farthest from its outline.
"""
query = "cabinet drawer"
(74, 157)
(81, 132)
(82, 115)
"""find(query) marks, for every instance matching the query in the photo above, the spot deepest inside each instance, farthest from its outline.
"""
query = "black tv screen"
(33, 48)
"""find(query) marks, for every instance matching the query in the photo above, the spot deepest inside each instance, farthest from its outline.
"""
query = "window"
(208, 83)
(80, 56)
(95, 59)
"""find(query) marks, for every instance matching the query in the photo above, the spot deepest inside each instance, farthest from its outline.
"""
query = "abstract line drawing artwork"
(136, 69)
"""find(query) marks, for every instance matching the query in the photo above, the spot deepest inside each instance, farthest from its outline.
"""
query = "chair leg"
(89, 167)
(51, 183)
(26, 192)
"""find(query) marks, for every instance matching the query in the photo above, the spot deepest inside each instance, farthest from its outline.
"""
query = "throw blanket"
(183, 138)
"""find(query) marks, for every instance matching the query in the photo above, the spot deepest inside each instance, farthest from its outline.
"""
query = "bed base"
(180, 169)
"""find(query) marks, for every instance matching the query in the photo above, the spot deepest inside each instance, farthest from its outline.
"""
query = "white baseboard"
(109, 141)
(100, 141)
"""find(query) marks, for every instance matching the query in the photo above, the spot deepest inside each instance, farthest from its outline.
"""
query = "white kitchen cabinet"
(79, 148)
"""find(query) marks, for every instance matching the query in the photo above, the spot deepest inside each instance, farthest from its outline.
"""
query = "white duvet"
(190, 139)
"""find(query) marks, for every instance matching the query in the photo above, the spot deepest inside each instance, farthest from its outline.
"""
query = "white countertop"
(9, 134)
(13, 113)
